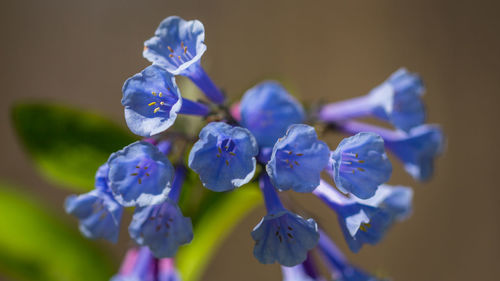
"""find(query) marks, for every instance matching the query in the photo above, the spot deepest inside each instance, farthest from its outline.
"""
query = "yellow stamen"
(151, 103)
(156, 110)
(170, 49)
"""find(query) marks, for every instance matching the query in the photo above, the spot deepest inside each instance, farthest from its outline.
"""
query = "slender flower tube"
(397, 100)
(138, 265)
(296, 273)
(167, 271)
(417, 149)
(99, 214)
(267, 110)
(162, 227)
(177, 46)
(366, 221)
(338, 264)
(297, 159)
(359, 164)
(224, 156)
(282, 236)
(152, 101)
(139, 175)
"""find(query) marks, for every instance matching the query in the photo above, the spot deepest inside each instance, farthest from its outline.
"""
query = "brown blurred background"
(80, 53)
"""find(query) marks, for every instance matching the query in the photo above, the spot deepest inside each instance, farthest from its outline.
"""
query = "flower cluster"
(269, 129)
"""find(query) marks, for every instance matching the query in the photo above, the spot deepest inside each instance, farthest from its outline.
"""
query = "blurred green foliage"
(38, 246)
(67, 144)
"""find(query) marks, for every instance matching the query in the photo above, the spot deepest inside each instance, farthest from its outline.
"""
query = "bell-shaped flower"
(397, 100)
(139, 175)
(162, 227)
(152, 101)
(417, 149)
(297, 159)
(138, 265)
(366, 221)
(177, 46)
(267, 110)
(99, 214)
(224, 156)
(360, 165)
(282, 236)
(338, 265)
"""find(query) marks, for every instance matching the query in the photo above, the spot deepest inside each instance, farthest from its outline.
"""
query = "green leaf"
(37, 246)
(215, 224)
(67, 144)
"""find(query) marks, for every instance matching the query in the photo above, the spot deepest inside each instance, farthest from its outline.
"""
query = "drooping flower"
(397, 100)
(162, 227)
(224, 156)
(138, 265)
(267, 110)
(297, 159)
(152, 101)
(360, 165)
(366, 221)
(340, 268)
(282, 236)
(139, 175)
(98, 212)
(177, 46)
(417, 149)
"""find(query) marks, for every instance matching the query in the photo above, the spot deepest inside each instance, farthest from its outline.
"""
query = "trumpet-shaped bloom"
(162, 227)
(397, 100)
(297, 159)
(367, 221)
(139, 175)
(267, 110)
(152, 101)
(224, 156)
(282, 236)
(177, 46)
(98, 212)
(418, 149)
(138, 265)
(360, 164)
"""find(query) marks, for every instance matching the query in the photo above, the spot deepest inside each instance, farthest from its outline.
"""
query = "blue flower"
(138, 265)
(360, 164)
(281, 235)
(418, 149)
(139, 175)
(177, 46)
(162, 227)
(366, 221)
(397, 100)
(298, 159)
(337, 263)
(99, 214)
(152, 101)
(267, 110)
(224, 156)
